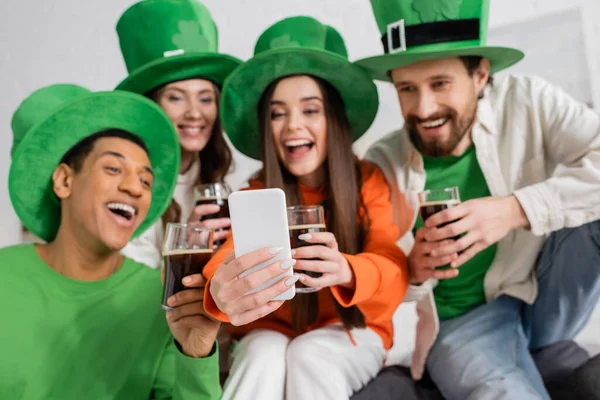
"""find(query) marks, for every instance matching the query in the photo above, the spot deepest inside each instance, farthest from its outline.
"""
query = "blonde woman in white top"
(170, 50)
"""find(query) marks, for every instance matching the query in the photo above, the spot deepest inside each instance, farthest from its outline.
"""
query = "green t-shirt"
(66, 339)
(456, 296)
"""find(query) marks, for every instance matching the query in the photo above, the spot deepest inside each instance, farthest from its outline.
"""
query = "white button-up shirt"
(531, 140)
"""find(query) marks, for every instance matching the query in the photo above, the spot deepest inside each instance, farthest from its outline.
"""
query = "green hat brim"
(40, 152)
(245, 86)
(211, 66)
(379, 66)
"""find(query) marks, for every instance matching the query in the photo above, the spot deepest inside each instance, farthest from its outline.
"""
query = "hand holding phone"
(259, 220)
(254, 280)
(231, 292)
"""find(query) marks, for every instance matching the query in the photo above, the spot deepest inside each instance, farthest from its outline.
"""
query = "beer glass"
(435, 200)
(186, 250)
(301, 220)
(213, 193)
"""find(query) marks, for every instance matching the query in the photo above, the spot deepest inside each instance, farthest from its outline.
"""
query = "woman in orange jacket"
(298, 105)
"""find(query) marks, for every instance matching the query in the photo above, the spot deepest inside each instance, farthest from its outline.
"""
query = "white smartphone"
(258, 220)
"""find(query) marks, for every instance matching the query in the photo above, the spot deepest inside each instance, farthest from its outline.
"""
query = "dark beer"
(221, 202)
(434, 207)
(178, 265)
(295, 243)
(223, 212)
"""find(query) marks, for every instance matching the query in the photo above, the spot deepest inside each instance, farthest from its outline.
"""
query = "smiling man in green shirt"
(80, 321)
(523, 244)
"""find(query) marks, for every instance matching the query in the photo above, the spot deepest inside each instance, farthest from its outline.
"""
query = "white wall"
(45, 42)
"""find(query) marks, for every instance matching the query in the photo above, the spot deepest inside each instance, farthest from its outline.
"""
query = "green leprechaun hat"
(415, 30)
(294, 46)
(53, 119)
(164, 41)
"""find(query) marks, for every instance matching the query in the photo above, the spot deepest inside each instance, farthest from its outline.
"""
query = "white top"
(531, 140)
(146, 248)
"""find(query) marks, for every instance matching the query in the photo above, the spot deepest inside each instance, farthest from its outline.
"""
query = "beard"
(438, 147)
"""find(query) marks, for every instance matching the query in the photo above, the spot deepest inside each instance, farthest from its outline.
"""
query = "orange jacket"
(380, 271)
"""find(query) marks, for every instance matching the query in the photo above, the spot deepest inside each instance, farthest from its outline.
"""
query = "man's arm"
(571, 196)
(180, 377)
(189, 366)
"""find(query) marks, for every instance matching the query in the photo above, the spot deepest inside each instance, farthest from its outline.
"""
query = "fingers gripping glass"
(213, 193)
(302, 220)
(435, 200)
(186, 250)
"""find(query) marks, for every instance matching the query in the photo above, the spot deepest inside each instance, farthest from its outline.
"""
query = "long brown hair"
(215, 157)
(343, 205)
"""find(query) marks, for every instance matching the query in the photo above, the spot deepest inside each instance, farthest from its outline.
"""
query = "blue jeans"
(485, 353)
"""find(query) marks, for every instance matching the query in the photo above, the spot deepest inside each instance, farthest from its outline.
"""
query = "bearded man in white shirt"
(515, 266)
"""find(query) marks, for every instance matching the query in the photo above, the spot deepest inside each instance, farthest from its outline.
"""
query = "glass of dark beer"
(186, 250)
(301, 220)
(435, 200)
(214, 193)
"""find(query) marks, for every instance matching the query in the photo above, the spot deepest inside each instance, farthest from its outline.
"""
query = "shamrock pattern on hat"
(190, 37)
(283, 41)
(437, 10)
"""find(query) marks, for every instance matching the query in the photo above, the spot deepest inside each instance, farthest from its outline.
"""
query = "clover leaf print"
(437, 10)
(189, 37)
(283, 41)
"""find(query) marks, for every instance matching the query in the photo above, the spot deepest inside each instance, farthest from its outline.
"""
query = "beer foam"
(452, 202)
(186, 251)
(307, 226)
